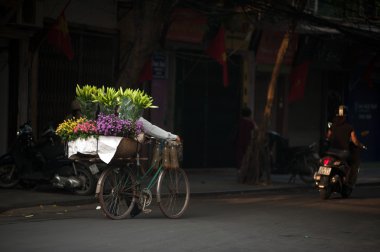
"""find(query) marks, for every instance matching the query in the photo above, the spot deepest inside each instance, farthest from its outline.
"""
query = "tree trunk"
(256, 163)
(141, 30)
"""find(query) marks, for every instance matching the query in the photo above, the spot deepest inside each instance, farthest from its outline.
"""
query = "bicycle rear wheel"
(173, 192)
(117, 192)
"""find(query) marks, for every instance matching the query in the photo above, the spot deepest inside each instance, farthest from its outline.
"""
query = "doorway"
(207, 112)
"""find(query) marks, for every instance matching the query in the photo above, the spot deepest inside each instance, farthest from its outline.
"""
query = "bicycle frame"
(153, 181)
(151, 170)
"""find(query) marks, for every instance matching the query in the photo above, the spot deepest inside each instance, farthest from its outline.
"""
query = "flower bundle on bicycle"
(115, 131)
(108, 126)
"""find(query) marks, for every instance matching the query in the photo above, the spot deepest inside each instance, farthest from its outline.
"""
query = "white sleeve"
(156, 131)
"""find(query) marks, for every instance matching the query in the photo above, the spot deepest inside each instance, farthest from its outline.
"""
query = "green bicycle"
(122, 186)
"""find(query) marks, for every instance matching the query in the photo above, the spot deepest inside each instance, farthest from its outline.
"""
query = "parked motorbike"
(303, 162)
(299, 161)
(30, 163)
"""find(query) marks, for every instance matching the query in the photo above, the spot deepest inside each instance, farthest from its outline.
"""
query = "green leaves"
(86, 92)
(107, 98)
(85, 98)
(138, 98)
(131, 102)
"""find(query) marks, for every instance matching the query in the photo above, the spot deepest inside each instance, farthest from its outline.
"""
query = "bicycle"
(120, 187)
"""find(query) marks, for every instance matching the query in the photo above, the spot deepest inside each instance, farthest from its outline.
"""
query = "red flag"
(146, 72)
(217, 50)
(298, 79)
(367, 75)
(59, 36)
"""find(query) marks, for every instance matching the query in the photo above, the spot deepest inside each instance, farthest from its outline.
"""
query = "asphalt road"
(287, 221)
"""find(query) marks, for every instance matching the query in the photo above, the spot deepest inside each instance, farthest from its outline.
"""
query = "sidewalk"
(212, 181)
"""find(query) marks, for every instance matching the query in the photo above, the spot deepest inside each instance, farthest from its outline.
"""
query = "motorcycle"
(299, 161)
(303, 162)
(332, 175)
(29, 163)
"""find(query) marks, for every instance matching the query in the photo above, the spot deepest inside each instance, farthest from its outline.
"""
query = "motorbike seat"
(341, 154)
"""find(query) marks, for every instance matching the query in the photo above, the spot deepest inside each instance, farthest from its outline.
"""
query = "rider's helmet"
(342, 111)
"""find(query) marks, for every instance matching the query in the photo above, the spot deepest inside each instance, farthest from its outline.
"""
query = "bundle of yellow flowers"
(66, 129)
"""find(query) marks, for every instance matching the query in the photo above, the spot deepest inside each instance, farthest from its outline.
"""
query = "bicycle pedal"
(146, 211)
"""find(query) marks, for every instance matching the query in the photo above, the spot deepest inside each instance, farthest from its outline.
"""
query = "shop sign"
(159, 66)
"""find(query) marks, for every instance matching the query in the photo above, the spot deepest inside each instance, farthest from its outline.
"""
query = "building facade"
(187, 83)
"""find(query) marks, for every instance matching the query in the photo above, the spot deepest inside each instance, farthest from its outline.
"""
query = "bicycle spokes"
(173, 192)
(117, 194)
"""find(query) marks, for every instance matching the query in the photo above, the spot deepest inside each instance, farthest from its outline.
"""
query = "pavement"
(203, 182)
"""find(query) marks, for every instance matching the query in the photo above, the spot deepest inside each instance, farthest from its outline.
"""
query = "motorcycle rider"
(341, 136)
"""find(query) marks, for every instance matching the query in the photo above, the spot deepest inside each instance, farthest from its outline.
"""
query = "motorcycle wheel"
(325, 193)
(87, 179)
(307, 176)
(8, 174)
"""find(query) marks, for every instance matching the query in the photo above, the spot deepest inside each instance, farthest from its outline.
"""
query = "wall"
(94, 13)
(4, 77)
(304, 116)
(161, 90)
(363, 100)
(23, 82)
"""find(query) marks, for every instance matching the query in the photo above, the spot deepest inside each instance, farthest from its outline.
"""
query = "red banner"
(298, 79)
(59, 36)
(217, 50)
(368, 72)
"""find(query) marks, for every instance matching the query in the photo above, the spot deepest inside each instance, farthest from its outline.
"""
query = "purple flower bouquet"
(118, 135)
(112, 125)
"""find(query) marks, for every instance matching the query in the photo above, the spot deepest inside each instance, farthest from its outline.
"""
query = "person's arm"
(156, 131)
(328, 135)
(355, 140)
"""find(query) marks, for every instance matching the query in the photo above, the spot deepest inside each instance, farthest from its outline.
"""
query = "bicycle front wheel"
(117, 193)
(173, 192)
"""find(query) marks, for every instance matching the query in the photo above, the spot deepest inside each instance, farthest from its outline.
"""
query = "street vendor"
(159, 133)
(76, 111)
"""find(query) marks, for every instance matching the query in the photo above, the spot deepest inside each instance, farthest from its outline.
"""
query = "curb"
(49, 202)
(91, 200)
